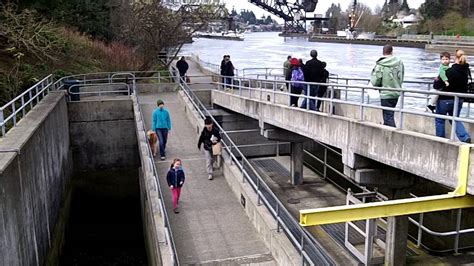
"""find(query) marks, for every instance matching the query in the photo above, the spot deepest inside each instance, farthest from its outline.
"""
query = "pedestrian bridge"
(58, 129)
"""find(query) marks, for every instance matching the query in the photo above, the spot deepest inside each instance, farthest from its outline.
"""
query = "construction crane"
(292, 12)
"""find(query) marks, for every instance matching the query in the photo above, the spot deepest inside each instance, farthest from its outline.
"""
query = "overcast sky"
(321, 8)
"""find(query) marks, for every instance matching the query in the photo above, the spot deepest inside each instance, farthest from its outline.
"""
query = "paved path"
(212, 227)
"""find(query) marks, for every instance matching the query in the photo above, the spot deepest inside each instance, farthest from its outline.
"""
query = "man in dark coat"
(209, 136)
(182, 67)
(313, 72)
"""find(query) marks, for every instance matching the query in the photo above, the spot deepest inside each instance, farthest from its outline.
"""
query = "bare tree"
(154, 29)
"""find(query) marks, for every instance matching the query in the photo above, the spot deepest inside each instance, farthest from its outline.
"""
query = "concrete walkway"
(212, 227)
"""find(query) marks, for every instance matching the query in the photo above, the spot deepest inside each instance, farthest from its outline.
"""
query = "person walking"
(227, 70)
(296, 75)
(175, 179)
(458, 78)
(210, 136)
(388, 72)
(313, 72)
(287, 71)
(161, 124)
(182, 67)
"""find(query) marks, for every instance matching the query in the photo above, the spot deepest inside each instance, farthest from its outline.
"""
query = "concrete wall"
(280, 246)
(33, 181)
(103, 135)
(433, 158)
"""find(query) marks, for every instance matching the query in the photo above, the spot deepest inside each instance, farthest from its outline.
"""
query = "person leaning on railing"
(458, 77)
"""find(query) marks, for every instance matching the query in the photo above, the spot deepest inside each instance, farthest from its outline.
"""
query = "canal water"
(105, 225)
(267, 49)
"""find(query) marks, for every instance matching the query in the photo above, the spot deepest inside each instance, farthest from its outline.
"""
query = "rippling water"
(267, 49)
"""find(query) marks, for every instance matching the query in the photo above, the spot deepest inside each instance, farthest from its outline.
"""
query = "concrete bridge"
(54, 145)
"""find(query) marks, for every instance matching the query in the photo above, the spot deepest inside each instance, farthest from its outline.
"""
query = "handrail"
(256, 91)
(305, 242)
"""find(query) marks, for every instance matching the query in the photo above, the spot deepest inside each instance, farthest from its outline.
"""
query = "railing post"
(458, 228)
(30, 99)
(346, 91)
(325, 162)
(258, 190)
(274, 89)
(308, 87)
(23, 105)
(2, 122)
(420, 230)
(278, 149)
(331, 105)
(361, 108)
(455, 112)
(13, 112)
(402, 102)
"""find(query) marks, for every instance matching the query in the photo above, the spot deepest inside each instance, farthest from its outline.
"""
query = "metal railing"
(214, 68)
(311, 251)
(17, 108)
(256, 88)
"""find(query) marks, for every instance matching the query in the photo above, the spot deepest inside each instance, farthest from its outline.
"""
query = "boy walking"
(441, 81)
(161, 124)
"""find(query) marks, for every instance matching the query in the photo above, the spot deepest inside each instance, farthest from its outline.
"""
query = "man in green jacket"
(388, 72)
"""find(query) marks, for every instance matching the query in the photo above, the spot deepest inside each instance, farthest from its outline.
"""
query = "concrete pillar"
(397, 234)
(396, 240)
(296, 165)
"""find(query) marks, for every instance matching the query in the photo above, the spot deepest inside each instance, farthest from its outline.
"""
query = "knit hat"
(159, 102)
(294, 62)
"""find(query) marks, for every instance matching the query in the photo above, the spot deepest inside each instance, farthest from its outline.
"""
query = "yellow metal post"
(453, 200)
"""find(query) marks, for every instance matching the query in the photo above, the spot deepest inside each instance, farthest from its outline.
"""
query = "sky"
(321, 8)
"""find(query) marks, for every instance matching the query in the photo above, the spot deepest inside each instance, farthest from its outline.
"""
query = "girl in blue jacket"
(175, 178)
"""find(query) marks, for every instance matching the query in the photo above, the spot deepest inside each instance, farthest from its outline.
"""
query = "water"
(105, 226)
(267, 49)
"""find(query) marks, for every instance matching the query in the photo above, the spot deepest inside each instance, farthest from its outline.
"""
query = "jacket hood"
(388, 61)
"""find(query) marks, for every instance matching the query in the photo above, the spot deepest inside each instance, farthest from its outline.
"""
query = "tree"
(154, 29)
(337, 19)
(433, 9)
(268, 20)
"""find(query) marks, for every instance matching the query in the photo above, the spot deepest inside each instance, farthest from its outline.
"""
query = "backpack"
(297, 75)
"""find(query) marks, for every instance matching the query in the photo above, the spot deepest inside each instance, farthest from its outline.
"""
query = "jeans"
(447, 107)
(228, 82)
(313, 89)
(294, 99)
(162, 134)
(209, 161)
(176, 191)
(388, 116)
(182, 77)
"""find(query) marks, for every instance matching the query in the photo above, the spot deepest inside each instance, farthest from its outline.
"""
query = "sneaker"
(209, 177)
(468, 140)
(162, 158)
(432, 108)
(176, 210)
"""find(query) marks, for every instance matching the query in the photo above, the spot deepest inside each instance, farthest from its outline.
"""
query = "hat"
(159, 102)
(294, 62)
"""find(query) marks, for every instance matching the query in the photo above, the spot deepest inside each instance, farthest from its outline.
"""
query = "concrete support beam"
(296, 167)
(383, 178)
(283, 135)
(396, 240)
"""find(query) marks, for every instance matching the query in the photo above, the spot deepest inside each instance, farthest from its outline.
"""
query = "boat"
(230, 35)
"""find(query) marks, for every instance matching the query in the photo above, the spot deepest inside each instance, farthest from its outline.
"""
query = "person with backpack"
(313, 72)
(389, 73)
(296, 75)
